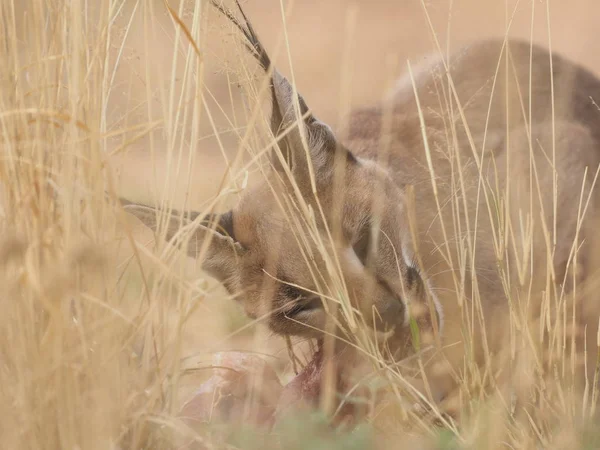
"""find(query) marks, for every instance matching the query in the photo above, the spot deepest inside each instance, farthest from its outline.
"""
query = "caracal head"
(289, 255)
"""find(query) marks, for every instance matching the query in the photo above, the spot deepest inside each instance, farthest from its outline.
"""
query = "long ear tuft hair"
(280, 107)
(321, 141)
(253, 43)
(219, 223)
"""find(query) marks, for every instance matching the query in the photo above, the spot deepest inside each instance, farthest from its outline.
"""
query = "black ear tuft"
(284, 116)
(221, 223)
(253, 43)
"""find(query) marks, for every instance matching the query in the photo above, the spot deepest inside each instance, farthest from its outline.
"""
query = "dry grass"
(99, 330)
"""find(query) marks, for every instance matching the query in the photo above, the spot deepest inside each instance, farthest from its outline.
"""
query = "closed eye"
(363, 247)
(292, 292)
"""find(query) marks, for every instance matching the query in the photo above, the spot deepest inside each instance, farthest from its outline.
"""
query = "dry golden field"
(100, 343)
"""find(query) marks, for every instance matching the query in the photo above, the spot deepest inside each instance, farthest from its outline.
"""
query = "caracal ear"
(215, 232)
(295, 127)
(297, 131)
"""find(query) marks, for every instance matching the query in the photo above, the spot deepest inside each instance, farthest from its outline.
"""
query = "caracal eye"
(361, 247)
(292, 291)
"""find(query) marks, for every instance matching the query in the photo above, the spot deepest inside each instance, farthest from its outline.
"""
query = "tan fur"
(421, 263)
